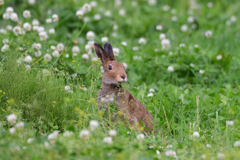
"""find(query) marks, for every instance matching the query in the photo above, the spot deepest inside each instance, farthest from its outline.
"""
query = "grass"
(185, 101)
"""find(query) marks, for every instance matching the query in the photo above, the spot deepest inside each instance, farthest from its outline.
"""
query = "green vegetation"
(181, 57)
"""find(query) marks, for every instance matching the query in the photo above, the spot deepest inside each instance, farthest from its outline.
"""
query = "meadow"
(182, 61)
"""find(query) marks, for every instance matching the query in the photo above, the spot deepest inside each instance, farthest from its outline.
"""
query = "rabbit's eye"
(110, 67)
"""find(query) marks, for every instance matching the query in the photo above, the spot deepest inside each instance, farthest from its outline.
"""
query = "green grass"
(184, 100)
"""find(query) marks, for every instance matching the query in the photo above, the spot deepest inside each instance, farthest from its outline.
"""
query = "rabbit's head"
(114, 71)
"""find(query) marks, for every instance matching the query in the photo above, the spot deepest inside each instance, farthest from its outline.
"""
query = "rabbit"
(114, 74)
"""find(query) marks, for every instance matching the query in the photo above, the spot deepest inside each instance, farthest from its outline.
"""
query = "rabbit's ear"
(101, 53)
(109, 50)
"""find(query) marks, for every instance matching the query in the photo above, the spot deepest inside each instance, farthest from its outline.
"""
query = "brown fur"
(132, 109)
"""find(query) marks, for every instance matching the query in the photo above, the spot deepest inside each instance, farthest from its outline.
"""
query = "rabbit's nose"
(123, 77)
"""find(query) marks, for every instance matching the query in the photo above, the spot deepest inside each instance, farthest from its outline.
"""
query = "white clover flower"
(6, 16)
(135, 48)
(140, 137)
(192, 65)
(86, 8)
(108, 98)
(150, 95)
(174, 18)
(158, 152)
(91, 43)
(38, 53)
(122, 12)
(88, 48)
(162, 36)
(9, 27)
(9, 10)
(169, 146)
(93, 125)
(190, 19)
(159, 27)
(46, 144)
(12, 130)
(79, 14)
(53, 135)
(5, 41)
(166, 7)
(170, 153)
(60, 47)
(97, 17)
(129, 132)
(233, 19)
(67, 88)
(67, 133)
(14, 17)
(93, 4)
(55, 54)
(35, 28)
(165, 44)
(75, 49)
(151, 147)
(51, 31)
(84, 134)
(152, 90)
(152, 2)
(170, 68)
(107, 13)
(184, 28)
(85, 56)
(53, 47)
(142, 41)
(55, 17)
(37, 46)
(47, 57)
(43, 36)
(201, 71)
(108, 140)
(196, 46)
(86, 19)
(219, 57)
(12, 118)
(26, 14)
(182, 45)
(118, 3)
(124, 43)
(28, 59)
(220, 156)
(40, 29)
(116, 51)
(31, 2)
(35, 22)
(237, 144)
(4, 48)
(208, 146)
(208, 34)
(115, 26)
(28, 67)
(17, 30)
(210, 4)
(104, 39)
(48, 20)
(229, 123)
(90, 35)
(19, 124)
(27, 27)
(30, 140)
(196, 134)
(125, 65)
(112, 133)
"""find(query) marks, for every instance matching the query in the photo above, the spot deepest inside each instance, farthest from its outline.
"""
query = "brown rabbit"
(114, 73)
